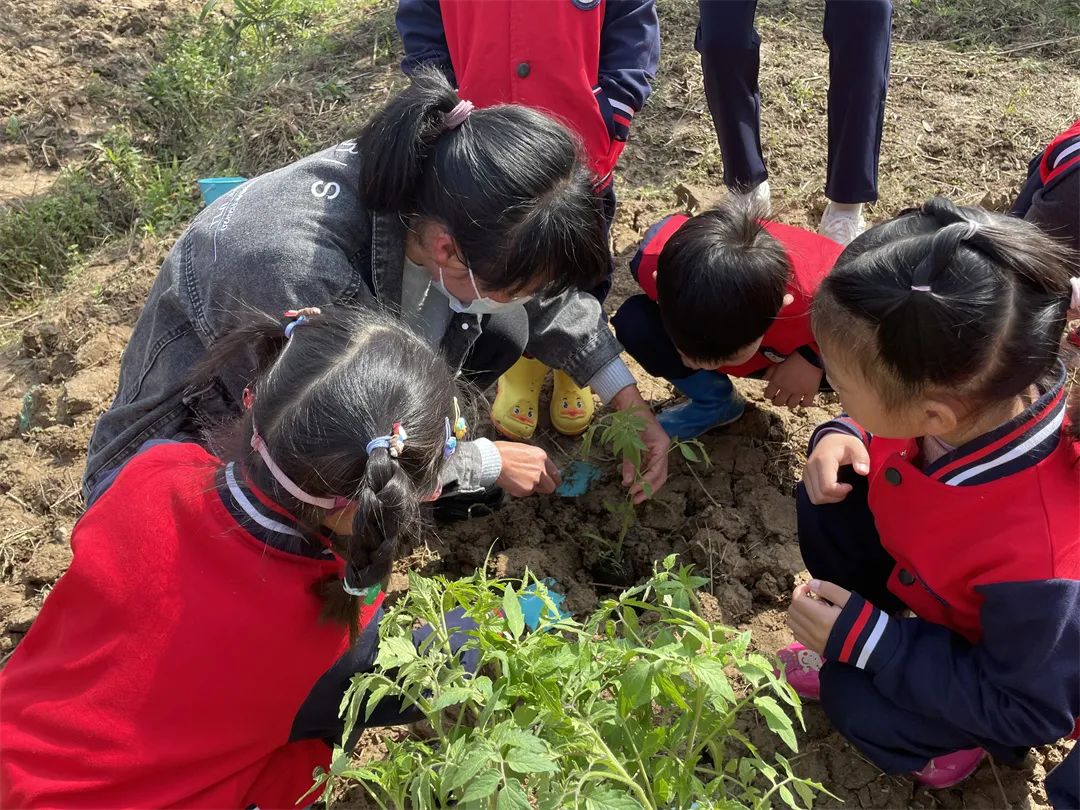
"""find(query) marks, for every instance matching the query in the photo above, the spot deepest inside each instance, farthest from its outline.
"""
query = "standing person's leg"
(858, 33)
(607, 205)
(729, 46)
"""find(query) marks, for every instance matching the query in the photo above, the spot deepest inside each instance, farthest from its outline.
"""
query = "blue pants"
(840, 544)
(858, 34)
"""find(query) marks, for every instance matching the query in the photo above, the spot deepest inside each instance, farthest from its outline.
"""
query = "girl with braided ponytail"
(196, 652)
(947, 490)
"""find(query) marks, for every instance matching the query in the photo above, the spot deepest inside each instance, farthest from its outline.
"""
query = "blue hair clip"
(291, 325)
(450, 444)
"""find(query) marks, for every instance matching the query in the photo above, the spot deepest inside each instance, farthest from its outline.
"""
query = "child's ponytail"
(954, 297)
(397, 140)
(325, 391)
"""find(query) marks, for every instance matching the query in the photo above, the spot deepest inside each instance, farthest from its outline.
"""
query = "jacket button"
(892, 475)
(906, 577)
(523, 70)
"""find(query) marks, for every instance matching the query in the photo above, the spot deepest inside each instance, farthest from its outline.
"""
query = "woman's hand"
(793, 382)
(526, 469)
(654, 467)
(821, 476)
(814, 610)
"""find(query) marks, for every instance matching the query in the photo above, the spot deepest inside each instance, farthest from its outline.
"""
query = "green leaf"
(777, 720)
(526, 762)
(395, 652)
(606, 798)
(208, 6)
(711, 673)
(788, 799)
(459, 774)
(376, 694)
(451, 697)
(635, 684)
(482, 786)
(515, 620)
(513, 797)
(688, 453)
(806, 793)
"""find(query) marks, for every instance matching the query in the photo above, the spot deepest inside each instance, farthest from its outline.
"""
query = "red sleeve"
(812, 256)
(1062, 154)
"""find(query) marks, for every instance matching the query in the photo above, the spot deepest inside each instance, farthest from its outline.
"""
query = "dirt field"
(959, 122)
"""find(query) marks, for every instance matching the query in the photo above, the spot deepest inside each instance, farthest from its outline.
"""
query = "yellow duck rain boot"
(517, 399)
(571, 406)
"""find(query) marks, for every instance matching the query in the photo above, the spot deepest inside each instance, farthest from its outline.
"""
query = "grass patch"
(119, 189)
(191, 116)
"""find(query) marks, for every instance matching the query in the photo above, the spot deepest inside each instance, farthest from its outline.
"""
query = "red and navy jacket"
(811, 257)
(181, 660)
(987, 547)
(1050, 197)
(589, 63)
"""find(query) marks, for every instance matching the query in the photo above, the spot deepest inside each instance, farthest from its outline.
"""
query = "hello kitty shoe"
(802, 668)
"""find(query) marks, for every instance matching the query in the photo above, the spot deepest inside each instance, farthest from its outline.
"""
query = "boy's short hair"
(720, 282)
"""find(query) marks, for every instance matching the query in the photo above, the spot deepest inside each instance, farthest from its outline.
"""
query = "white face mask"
(480, 305)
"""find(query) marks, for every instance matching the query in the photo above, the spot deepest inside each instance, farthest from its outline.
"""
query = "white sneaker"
(841, 226)
(758, 197)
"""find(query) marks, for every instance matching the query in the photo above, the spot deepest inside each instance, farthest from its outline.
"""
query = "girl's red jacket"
(176, 662)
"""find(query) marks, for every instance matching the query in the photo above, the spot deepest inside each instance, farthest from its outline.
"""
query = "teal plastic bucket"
(213, 187)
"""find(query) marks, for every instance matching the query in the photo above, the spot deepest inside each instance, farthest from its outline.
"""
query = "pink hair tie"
(456, 117)
(1074, 302)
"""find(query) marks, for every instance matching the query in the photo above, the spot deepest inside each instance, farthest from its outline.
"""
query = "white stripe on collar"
(249, 508)
(1053, 425)
(1064, 153)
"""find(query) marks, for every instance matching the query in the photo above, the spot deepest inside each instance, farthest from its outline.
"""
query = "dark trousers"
(858, 33)
(840, 544)
(640, 330)
(502, 341)
(607, 205)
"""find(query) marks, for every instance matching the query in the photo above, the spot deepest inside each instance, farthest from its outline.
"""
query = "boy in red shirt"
(726, 293)
(587, 62)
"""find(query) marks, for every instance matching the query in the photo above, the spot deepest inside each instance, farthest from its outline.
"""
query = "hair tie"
(300, 316)
(456, 117)
(394, 442)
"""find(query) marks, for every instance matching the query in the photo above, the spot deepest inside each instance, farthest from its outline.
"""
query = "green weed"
(639, 706)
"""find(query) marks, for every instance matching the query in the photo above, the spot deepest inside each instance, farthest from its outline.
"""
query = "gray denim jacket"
(299, 236)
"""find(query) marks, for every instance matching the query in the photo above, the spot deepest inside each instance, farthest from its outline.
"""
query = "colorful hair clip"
(461, 430)
(450, 444)
(300, 317)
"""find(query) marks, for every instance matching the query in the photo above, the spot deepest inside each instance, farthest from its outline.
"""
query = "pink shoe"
(950, 769)
(802, 668)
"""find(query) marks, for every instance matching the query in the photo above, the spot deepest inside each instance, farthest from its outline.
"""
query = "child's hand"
(793, 382)
(821, 476)
(813, 612)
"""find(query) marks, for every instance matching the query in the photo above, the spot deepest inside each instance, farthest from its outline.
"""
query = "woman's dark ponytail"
(397, 140)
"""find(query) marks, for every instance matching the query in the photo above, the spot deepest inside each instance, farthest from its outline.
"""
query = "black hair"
(508, 184)
(318, 398)
(950, 298)
(720, 281)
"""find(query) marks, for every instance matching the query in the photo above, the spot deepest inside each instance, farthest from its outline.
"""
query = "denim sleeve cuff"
(490, 462)
(863, 636)
(611, 379)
